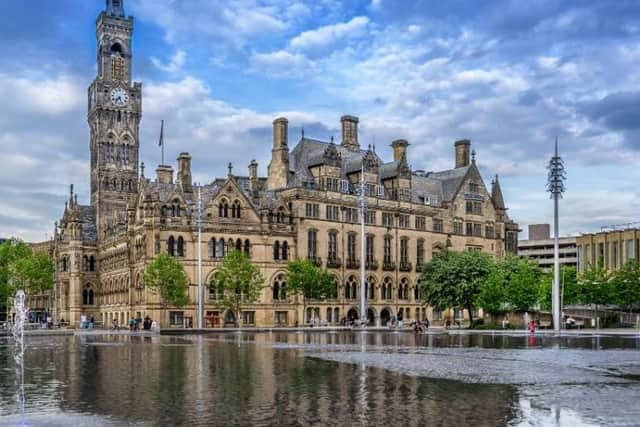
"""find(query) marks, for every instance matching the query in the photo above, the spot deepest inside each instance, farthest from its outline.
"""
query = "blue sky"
(508, 75)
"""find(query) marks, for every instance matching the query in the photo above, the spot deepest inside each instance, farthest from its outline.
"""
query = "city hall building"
(306, 207)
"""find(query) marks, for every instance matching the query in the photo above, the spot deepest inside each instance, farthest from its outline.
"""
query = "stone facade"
(307, 206)
(608, 249)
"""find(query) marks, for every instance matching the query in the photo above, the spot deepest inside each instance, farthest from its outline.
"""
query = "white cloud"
(281, 63)
(176, 63)
(36, 95)
(329, 34)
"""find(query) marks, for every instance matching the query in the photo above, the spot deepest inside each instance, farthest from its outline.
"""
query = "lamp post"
(363, 210)
(555, 186)
(200, 285)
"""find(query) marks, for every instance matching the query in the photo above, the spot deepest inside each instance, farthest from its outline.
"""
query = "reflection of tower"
(114, 115)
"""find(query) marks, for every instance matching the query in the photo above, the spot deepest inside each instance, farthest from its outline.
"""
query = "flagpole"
(162, 142)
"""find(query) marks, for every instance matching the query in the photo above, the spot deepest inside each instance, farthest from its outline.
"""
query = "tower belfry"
(115, 7)
(114, 115)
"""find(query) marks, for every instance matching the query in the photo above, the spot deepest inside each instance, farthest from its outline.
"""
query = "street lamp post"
(200, 285)
(363, 209)
(555, 185)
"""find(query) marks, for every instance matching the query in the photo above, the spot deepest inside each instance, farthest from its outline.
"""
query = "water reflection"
(241, 379)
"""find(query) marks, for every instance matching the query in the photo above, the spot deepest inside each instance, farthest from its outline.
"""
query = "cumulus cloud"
(329, 34)
(281, 63)
(175, 64)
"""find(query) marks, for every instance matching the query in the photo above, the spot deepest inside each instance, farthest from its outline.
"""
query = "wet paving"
(326, 378)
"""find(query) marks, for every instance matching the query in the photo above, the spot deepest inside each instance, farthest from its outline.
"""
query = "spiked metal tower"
(555, 185)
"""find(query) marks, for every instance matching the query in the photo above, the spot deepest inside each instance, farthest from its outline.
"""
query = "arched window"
(221, 248)
(247, 247)
(180, 246)
(85, 263)
(417, 295)
(238, 245)
(276, 250)
(350, 288)
(171, 246)
(280, 215)
(279, 288)
(370, 287)
(420, 253)
(329, 315)
(223, 209)
(212, 247)
(403, 289)
(87, 295)
(285, 250)
(387, 288)
(230, 245)
(235, 209)
(336, 314)
(312, 244)
(92, 263)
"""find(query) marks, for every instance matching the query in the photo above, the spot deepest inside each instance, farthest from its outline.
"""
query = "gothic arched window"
(223, 209)
(171, 244)
(279, 288)
(212, 247)
(235, 209)
(221, 248)
(247, 247)
(285, 250)
(180, 246)
(276, 250)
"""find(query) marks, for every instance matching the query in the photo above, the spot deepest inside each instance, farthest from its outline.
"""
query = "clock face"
(119, 97)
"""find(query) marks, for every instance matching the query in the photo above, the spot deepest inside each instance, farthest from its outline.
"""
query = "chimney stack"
(463, 149)
(253, 176)
(278, 170)
(350, 132)
(399, 149)
(164, 174)
(184, 172)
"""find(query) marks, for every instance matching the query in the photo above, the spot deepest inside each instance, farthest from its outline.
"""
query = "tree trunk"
(470, 316)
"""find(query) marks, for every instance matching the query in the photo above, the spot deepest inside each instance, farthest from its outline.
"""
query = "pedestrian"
(532, 326)
(92, 322)
(114, 324)
(131, 324)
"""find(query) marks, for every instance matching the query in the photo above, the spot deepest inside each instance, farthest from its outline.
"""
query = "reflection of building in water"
(305, 207)
(130, 379)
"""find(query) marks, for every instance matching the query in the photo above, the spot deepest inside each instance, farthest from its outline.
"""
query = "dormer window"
(474, 188)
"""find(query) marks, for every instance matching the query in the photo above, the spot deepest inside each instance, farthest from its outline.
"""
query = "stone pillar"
(253, 176)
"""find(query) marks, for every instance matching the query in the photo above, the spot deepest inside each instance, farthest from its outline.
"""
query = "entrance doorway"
(229, 319)
(385, 316)
(352, 315)
(371, 317)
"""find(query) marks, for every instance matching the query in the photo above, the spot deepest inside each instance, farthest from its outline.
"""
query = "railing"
(405, 266)
(388, 265)
(334, 262)
(371, 264)
(353, 263)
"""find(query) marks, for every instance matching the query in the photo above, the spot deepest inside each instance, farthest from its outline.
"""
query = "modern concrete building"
(539, 246)
(609, 249)
(306, 207)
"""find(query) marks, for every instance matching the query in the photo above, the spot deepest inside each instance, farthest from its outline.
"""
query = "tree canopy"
(23, 268)
(237, 281)
(454, 279)
(309, 280)
(166, 275)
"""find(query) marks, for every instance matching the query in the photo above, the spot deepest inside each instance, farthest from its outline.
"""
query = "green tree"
(523, 284)
(237, 281)
(22, 268)
(596, 287)
(454, 279)
(492, 296)
(167, 276)
(568, 286)
(626, 283)
(311, 282)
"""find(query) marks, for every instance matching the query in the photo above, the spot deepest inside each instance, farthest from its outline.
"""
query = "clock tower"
(115, 107)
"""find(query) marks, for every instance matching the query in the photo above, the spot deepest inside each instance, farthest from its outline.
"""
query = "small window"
(176, 318)
(249, 317)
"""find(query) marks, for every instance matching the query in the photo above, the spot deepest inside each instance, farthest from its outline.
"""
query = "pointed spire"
(142, 170)
(302, 131)
(71, 195)
(115, 7)
(496, 194)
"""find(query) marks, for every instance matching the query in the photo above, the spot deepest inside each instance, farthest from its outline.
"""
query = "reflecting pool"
(324, 378)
